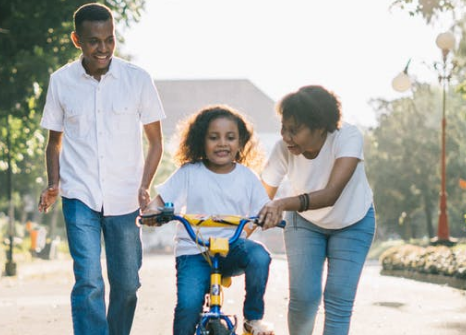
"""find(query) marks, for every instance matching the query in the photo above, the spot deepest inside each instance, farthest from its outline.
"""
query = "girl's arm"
(342, 171)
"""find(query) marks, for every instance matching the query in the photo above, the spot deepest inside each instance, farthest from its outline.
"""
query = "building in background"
(182, 98)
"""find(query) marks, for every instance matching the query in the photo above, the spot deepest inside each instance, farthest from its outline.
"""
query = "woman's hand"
(271, 214)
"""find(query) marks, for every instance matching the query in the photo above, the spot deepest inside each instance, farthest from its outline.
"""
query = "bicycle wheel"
(217, 327)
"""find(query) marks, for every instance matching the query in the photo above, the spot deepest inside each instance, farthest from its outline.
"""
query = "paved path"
(36, 302)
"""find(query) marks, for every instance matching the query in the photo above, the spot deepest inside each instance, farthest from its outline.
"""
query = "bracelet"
(303, 202)
(306, 195)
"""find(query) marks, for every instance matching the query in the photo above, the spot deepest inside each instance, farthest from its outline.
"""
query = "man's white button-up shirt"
(101, 160)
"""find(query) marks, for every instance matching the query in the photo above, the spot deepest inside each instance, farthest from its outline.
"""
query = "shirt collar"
(114, 69)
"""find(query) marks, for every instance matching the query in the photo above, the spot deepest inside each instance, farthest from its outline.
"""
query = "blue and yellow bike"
(213, 321)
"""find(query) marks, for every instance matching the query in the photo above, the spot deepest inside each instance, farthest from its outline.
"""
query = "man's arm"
(153, 133)
(52, 154)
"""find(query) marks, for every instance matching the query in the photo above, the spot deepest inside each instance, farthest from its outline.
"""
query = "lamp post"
(10, 266)
(402, 82)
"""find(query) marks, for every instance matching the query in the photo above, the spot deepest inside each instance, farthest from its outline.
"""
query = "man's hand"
(48, 198)
(144, 198)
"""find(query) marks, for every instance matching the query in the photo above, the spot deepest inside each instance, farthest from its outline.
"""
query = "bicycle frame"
(217, 247)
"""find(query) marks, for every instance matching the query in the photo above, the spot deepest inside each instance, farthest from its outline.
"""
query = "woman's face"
(221, 145)
(300, 139)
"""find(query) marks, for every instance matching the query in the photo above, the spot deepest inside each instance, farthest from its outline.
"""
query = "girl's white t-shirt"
(308, 175)
(194, 189)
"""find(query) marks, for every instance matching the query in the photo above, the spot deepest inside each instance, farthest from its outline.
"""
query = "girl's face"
(221, 145)
(302, 140)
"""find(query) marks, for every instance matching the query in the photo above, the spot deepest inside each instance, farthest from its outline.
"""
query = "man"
(95, 111)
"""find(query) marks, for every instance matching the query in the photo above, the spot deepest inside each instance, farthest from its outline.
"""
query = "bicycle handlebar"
(167, 214)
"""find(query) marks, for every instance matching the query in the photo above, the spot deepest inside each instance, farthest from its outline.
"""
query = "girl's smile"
(221, 145)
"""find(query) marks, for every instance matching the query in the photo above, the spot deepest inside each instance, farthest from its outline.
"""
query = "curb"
(427, 278)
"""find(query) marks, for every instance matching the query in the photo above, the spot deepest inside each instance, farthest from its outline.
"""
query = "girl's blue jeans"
(193, 277)
(308, 247)
(123, 251)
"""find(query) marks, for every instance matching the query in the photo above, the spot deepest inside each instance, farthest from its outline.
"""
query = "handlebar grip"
(165, 214)
(282, 224)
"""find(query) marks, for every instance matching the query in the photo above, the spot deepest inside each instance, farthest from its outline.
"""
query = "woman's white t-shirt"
(194, 189)
(308, 175)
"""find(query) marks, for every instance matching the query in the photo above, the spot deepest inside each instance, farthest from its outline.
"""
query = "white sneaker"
(257, 327)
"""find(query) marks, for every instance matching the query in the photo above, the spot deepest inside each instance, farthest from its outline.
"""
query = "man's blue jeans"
(193, 277)
(308, 247)
(123, 251)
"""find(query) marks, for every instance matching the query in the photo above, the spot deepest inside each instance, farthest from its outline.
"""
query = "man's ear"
(75, 39)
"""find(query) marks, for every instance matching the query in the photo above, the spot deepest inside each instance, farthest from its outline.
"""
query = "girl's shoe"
(257, 327)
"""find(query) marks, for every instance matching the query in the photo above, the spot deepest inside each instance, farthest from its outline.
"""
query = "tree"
(403, 160)
(35, 41)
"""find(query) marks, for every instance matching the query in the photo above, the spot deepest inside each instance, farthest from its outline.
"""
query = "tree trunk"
(428, 213)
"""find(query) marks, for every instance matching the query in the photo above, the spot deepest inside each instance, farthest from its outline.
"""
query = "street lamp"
(402, 82)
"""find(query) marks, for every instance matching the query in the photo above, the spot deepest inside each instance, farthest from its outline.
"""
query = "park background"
(353, 48)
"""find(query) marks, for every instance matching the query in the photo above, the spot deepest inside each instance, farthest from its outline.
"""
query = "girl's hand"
(148, 218)
(271, 214)
(147, 215)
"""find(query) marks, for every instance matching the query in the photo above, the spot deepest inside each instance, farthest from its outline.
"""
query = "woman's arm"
(342, 171)
(271, 190)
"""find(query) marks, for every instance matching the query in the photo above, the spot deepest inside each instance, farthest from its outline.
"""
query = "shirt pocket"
(125, 116)
(77, 123)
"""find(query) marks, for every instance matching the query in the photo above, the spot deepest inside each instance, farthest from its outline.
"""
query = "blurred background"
(249, 54)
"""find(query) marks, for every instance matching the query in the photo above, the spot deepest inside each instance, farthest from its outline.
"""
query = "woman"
(330, 216)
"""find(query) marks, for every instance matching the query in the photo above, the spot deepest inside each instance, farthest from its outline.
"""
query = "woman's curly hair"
(313, 106)
(193, 132)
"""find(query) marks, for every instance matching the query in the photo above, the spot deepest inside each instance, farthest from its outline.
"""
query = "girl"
(217, 145)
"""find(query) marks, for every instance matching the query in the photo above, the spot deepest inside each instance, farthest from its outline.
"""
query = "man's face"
(96, 39)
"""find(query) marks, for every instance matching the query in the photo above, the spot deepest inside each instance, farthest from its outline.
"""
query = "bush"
(429, 260)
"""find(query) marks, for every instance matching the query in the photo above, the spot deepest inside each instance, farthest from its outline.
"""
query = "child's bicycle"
(213, 321)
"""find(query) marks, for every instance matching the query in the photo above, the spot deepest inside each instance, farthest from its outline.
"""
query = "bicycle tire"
(217, 327)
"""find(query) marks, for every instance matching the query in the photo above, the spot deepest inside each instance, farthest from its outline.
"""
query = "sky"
(354, 48)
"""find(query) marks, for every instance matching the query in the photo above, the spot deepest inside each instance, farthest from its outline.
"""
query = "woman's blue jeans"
(123, 251)
(308, 247)
(193, 277)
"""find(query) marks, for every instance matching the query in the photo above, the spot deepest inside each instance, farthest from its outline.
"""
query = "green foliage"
(403, 163)
(35, 41)
(428, 9)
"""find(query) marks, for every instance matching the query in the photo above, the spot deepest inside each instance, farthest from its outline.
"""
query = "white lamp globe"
(446, 41)
(402, 82)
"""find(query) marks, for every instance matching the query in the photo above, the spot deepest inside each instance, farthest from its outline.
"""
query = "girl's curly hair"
(193, 133)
